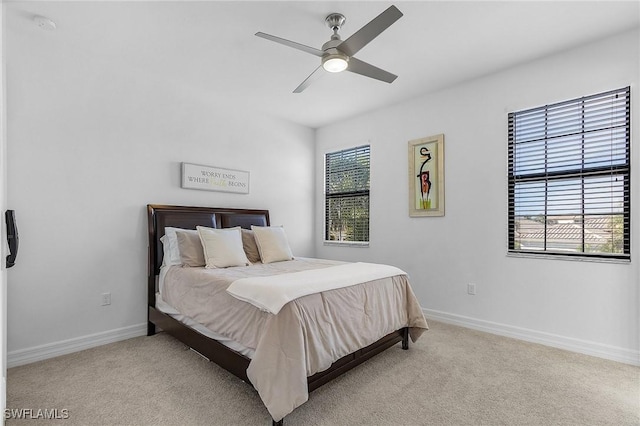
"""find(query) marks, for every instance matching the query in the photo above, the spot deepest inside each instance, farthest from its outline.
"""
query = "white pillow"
(272, 243)
(222, 247)
(166, 249)
(170, 246)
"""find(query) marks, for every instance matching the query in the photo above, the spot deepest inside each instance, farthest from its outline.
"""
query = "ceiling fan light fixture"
(335, 62)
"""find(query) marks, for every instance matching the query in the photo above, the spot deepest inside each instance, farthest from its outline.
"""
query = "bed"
(250, 362)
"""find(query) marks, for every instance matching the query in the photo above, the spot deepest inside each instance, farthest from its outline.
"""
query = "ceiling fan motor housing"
(333, 59)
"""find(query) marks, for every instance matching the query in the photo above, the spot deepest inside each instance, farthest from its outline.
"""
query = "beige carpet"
(451, 376)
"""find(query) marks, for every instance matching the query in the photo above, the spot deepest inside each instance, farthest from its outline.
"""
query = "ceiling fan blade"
(370, 31)
(360, 67)
(293, 44)
(313, 77)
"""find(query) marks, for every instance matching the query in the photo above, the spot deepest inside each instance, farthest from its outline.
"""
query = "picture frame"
(426, 176)
(208, 178)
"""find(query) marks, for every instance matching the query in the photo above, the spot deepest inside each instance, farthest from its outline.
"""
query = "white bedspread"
(273, 292)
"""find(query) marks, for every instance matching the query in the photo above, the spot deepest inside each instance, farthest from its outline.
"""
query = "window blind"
(569, 177)
(347, 195)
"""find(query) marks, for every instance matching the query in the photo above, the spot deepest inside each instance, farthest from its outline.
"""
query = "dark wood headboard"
(159, 216)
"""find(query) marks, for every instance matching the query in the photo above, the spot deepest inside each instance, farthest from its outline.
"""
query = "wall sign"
(195, 176)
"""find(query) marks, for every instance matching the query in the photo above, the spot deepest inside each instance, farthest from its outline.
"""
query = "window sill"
(347, 244)
(571, 258)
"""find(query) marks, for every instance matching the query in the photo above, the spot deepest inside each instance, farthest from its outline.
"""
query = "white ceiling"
(210, 47)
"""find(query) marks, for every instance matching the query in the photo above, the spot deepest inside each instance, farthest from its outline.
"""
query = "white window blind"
(347, 195)
(569, 177)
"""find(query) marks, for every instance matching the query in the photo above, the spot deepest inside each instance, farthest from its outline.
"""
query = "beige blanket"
(273, 292)
(306, 336)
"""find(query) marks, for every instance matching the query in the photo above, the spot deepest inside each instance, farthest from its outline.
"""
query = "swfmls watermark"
(36, 414)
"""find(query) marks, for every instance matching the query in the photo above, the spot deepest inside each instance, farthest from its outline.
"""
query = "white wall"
(3, 204)
(91, 141)
(584, 306)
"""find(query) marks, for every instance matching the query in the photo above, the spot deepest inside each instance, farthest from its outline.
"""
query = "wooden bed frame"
(160, 216)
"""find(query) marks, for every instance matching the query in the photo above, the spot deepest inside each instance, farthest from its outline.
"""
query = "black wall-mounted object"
(12, 237)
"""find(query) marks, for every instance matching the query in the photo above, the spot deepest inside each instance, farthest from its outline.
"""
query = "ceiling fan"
(337, 55)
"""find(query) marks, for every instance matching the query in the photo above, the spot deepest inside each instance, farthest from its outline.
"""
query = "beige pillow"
(222, 247)
(190, 247)
(250, 246)
(272, 243)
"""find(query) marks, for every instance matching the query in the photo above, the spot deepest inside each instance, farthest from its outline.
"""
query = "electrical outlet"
(106, 299)
(471, 289)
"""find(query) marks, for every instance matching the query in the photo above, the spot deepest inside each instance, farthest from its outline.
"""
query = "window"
(347, 195)
(569, 177)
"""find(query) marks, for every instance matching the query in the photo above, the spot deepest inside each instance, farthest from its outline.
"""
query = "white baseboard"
(614, 353)
(39, 353)
(586, 347)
